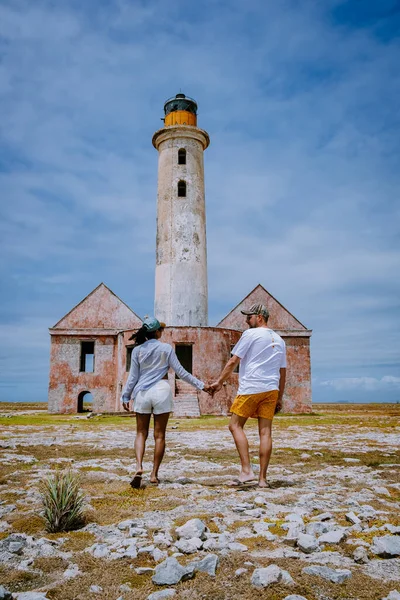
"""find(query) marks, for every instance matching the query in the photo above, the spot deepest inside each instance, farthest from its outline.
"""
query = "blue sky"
(302, 175)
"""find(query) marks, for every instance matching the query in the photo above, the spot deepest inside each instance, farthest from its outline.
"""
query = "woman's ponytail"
(142, 335)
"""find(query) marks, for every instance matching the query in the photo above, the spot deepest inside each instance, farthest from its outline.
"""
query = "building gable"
(101, 309)
(280, 318)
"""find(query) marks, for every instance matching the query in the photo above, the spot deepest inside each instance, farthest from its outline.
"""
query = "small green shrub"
(63, 502)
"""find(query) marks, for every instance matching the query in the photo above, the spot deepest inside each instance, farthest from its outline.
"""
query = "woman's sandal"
(137, 480)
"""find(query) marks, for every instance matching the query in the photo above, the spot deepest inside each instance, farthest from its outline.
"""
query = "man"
(262, 373)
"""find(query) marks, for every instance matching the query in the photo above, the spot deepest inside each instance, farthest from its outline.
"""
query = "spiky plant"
(63, 501)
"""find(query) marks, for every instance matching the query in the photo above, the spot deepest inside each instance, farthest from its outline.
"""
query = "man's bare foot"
(245, 477)
(263, 483)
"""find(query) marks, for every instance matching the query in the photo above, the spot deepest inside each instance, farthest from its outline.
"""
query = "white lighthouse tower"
(181, 297)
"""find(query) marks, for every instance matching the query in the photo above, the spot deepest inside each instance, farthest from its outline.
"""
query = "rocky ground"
(328, 528)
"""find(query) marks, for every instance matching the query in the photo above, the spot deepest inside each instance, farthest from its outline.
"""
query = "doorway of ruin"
(85, 400)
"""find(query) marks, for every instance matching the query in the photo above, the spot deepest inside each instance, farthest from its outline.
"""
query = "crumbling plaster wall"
(280, 317)
(101, 309)
(181, 254)
(66, 381)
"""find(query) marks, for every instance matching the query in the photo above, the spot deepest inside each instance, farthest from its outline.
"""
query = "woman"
(148, 385)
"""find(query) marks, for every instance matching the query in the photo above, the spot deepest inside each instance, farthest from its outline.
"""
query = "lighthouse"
(181, 297)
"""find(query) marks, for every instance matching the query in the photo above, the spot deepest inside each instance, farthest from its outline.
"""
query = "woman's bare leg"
(160, 425)
(142, 431)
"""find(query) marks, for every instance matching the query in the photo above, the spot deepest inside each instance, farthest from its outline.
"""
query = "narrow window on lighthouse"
(182, 189)
(182, 156)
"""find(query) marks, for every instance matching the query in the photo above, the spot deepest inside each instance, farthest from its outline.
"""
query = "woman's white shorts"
(156, 400)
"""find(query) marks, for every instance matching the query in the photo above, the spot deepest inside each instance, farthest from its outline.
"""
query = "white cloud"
(368, 384)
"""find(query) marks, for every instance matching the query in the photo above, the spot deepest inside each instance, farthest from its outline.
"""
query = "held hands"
(208, 390)
(212, 388)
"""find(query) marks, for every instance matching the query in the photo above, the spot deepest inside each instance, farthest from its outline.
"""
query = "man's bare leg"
(142, 431)
(160, 425)
(265, 432)
(236, 428)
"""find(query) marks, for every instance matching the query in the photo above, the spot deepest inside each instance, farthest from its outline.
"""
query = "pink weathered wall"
(298, 398)
(101, 309)
(280, 318)
(67, 382)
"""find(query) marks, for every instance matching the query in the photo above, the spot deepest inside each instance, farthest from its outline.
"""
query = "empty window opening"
(184, 352)
(85, 400)
(236, 369)
(128, 357)
(182, 189)
(182, 156)
(87, 357)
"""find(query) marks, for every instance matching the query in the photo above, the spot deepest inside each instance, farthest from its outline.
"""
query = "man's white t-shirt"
(262, 353)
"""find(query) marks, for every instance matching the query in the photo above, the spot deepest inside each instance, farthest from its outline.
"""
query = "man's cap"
(152, 324)
(257, 309)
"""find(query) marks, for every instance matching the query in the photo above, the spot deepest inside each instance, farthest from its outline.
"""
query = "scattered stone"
(360, 555)
(206, 565)
(383, 570)
(137, 531)
(332, 537)
(293, 532)
(159, 554)
(264, 577)
(352, 518)
(143, 570)
(307, 543)
(392, 528)
(386, 546)
(237, 547)
(194, 528)
(95, 589)
(71, 572)
(167, 593)
(294, 518)
(126, 524)
(5, 594)
(146, 549)
(333, 575)
(318, 528)
(381, 490)
(170, 572)
(254, 512)
(30, 596)
(323, 517)
(260, 500)
(260, 527)
(393, 595)
(99, 551)
(367, 512)
(241, 507)
(188, 546)
(163, 540)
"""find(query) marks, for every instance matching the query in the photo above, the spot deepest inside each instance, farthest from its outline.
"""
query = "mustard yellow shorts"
(255, 405)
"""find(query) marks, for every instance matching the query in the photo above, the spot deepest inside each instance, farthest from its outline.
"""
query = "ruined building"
(90, 347)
